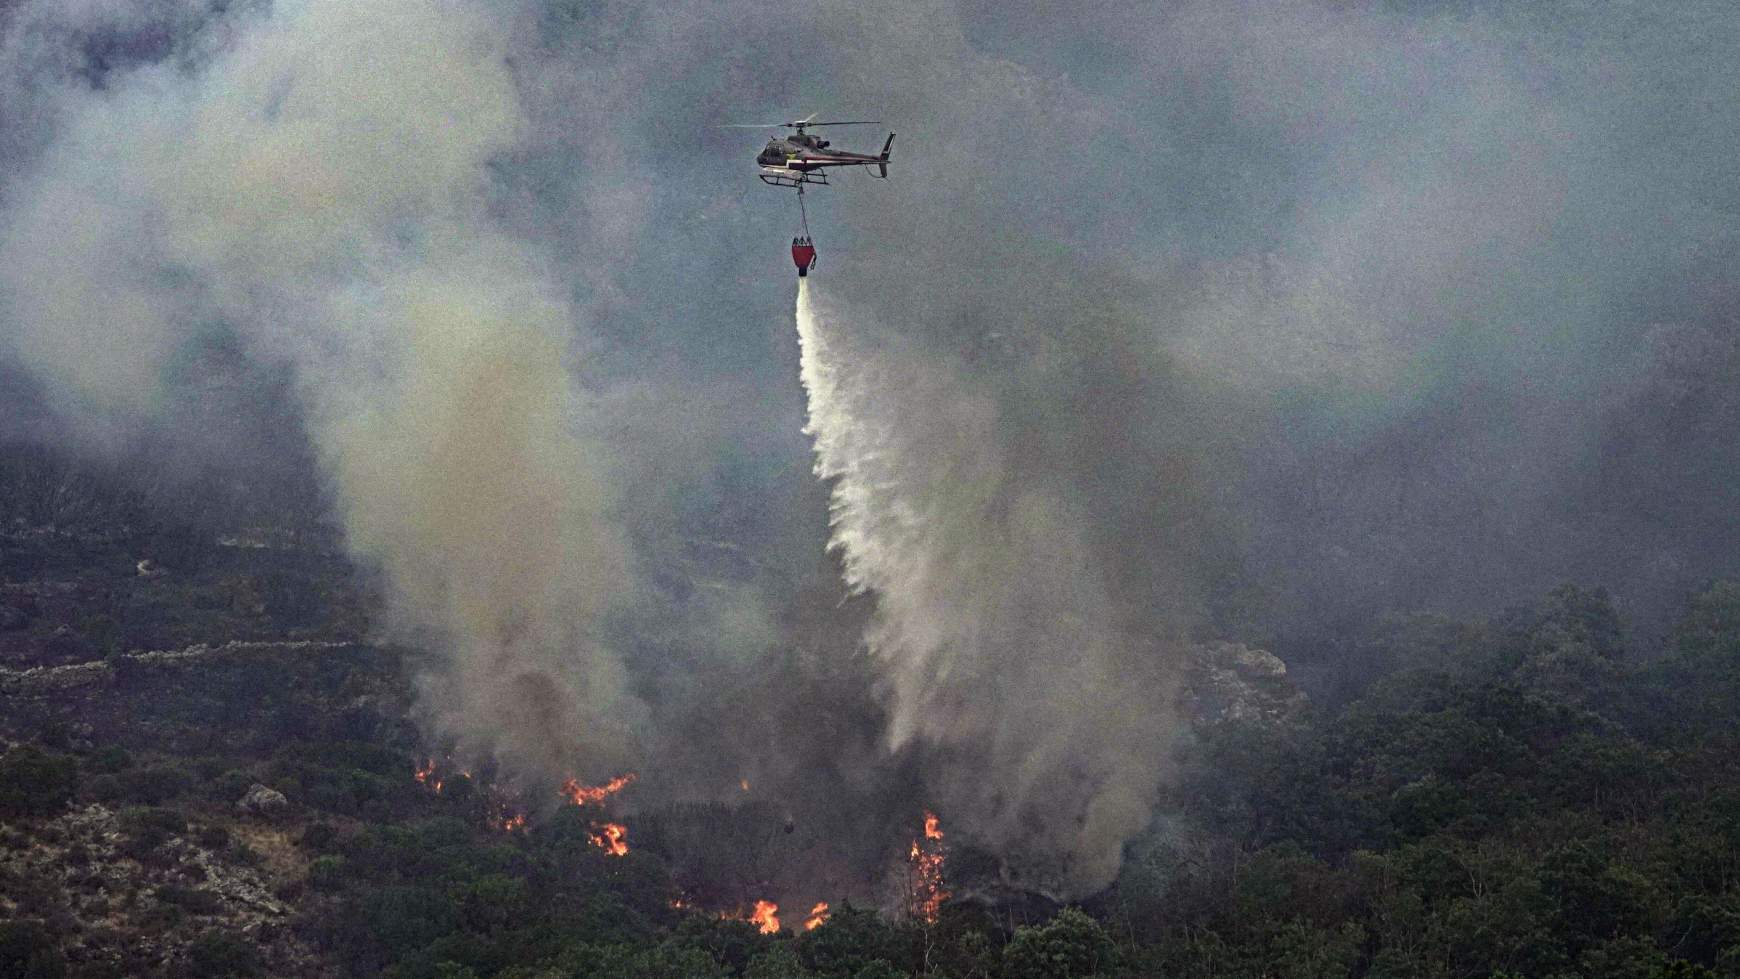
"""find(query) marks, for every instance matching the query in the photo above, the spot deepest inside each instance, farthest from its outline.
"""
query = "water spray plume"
(1001, 656)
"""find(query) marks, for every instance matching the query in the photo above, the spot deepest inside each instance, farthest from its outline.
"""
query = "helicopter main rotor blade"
(800, 124)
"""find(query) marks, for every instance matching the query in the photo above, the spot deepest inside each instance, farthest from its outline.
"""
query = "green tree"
(402, 918)
(1306, 951)
(667, 960)
(1597, 900)
(1710, 626)
(851, 939)
(779, 962)
(1069, 946)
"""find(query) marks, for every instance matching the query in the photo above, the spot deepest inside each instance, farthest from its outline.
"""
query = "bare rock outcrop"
(1229, 681)
(262, 800)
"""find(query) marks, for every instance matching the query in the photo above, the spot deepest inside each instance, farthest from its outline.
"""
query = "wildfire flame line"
(766, 917)
(818, 914)
(580, 795)
(505, 816)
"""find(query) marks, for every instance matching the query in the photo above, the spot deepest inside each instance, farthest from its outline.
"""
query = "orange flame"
(818, 914)
(926, 857)
(766, 917)
(610, 837)
(426, 775)
(510, 823)
(744, 784)
(580, 795)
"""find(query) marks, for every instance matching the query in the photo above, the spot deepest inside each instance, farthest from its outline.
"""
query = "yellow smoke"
(321, 188)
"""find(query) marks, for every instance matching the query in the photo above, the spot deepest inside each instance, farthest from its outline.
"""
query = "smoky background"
(1273, 319)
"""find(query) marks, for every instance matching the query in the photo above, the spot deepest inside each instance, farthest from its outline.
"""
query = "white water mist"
(1043, 725)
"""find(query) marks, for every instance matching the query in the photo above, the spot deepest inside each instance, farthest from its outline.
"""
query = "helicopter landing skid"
(792, 178)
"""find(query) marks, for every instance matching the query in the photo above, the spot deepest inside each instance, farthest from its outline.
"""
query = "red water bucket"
(803, 255)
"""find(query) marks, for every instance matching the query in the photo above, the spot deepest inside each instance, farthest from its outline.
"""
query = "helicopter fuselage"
(800, 156)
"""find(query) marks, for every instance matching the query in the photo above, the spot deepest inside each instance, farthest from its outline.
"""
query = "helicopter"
(803, 158)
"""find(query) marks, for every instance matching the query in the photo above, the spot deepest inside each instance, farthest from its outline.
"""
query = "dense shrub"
(103, 788)
(212, 836)
(222, 955)
(229, 786)
(113, 758)
(319, 837)
(192, 899)
(155, 785)
(145, 829)
(326, 873)
(29, 951)
(34, 782)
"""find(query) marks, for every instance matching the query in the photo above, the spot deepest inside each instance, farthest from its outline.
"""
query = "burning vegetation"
(818, 914)
(426, 776)
(765, 917)
(581, 795)
(925, 862)
(510, 823)
(612, 838)
(504, 813)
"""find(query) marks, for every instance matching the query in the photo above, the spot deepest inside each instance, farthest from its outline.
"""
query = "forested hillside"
(209, 772)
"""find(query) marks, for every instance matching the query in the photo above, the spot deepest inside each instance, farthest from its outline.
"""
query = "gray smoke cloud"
(318, 186)
(1174, 321)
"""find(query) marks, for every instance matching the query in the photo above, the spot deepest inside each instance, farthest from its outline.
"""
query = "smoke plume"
(319, 187)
